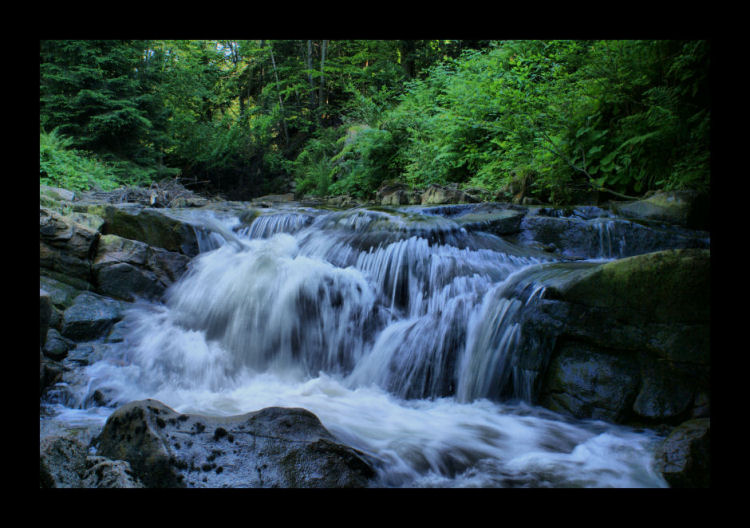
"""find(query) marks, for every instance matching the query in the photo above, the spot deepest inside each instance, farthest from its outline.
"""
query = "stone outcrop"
(582, 235)
(685, 208)
(66, 245)
(344, 201)
(437, 195)
(631, 339)
(397, 194)
(273, 447)
(154, 227)
(127, 269)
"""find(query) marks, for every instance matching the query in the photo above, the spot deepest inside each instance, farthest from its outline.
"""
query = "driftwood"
(165, 193)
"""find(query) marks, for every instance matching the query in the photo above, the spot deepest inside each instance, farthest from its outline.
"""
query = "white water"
(401, 342)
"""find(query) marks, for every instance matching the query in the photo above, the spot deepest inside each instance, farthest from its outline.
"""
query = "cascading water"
(398, 330)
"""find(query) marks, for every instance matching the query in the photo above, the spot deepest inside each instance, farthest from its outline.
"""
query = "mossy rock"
(666, 286)
(685, 208)
(56, 193)
(151, 227)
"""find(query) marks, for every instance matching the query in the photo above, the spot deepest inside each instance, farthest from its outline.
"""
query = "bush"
(62, 166)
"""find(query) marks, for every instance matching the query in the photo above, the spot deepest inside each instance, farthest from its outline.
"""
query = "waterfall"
(399, 329)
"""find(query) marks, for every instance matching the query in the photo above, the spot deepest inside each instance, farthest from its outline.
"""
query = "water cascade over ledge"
(400, 330)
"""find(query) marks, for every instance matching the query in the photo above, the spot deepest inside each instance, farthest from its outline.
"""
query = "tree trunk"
(310, 77)
(321, 96)
(281, 102)
(407, 48)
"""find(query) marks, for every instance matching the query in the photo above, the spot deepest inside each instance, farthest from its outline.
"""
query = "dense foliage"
(343, 117)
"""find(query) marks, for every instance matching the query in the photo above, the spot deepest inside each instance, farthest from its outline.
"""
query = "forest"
(243, 118)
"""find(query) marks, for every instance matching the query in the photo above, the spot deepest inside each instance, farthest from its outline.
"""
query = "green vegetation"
(244, 118)
(62, 166)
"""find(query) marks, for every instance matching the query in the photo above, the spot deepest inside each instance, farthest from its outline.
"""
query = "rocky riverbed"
(607, 310)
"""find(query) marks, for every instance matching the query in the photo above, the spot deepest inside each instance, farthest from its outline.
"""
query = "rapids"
(399, 330)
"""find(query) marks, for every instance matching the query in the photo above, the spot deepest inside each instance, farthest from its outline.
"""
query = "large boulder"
(90, 316)
(343, 201)
(668, 286)
(630, 338)
(66, 245)
(56, 346)
(437, 195)
(127, 269)
(56, 193)
(684, 458)
(395, 194)
(273, 447)
(685, 208)
(154, 227)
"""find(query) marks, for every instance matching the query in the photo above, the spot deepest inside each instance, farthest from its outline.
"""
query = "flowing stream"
(399, 330)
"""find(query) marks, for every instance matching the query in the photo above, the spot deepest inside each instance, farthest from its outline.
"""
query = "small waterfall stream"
(400, 330)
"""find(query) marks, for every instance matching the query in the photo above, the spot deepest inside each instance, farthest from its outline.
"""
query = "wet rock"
(586, 232)
(273, 447)
(61, 294)
(127, 269)
(633, 338)
(589, 383)
(684, 458)
(154, 227)
(685, 208)
(84, 354)
(667, 286)
(50, 372)
(56, 346)
(45, 312)
(62, 460)
(496, 220)
(90, 316)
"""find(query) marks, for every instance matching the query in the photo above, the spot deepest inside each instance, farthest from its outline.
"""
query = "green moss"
(666, 286)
